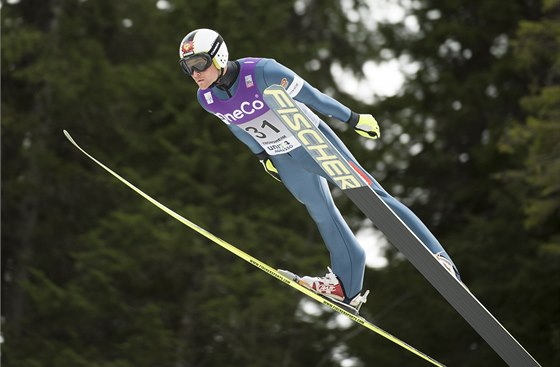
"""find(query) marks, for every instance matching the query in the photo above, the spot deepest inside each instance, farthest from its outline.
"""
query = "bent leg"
(346, 254)
(401, 210)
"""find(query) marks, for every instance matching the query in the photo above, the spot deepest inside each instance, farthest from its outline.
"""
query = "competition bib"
(272, 134)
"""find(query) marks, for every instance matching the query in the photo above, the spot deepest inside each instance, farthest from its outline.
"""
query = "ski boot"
(448, 265)
(329, 287)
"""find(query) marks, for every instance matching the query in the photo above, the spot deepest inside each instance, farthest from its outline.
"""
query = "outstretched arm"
(276, 73)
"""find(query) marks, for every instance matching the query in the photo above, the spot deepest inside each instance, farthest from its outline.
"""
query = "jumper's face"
(206, 78)
(200, 67)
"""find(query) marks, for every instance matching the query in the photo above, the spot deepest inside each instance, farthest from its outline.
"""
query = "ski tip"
(70, 139)
(67, 134)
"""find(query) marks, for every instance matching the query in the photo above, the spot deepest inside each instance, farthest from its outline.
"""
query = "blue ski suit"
(239, 105)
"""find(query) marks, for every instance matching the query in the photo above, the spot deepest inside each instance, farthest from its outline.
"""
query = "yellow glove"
(367, 126)
(270, 169)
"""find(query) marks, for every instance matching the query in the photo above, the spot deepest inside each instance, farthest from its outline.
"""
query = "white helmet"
(205, 41)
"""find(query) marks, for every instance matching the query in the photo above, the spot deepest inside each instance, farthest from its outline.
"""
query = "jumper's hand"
(367, 126)
(270, 169)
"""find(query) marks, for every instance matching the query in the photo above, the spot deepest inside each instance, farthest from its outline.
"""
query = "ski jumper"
(251, 121)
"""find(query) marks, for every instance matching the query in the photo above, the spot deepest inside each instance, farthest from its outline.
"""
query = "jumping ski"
(356, 186)
(287, 279)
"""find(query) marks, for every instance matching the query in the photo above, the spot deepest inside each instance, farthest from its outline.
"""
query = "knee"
(323, 211)
(382, 193)
(321, 214)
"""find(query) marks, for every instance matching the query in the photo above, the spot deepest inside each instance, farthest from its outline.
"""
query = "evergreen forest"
(95, 276)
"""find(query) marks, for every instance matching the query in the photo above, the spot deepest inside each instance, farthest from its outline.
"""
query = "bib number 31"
(271, 134)
(261, 134)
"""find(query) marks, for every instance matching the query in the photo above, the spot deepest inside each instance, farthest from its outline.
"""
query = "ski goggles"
(197, 62)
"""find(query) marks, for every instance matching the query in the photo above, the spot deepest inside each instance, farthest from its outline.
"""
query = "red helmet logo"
(187, 48)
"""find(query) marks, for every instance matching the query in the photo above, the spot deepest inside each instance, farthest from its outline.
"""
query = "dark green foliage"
(95, 276)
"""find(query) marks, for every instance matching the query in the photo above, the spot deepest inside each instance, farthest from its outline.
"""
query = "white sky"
(381, 79)
(373, 242)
